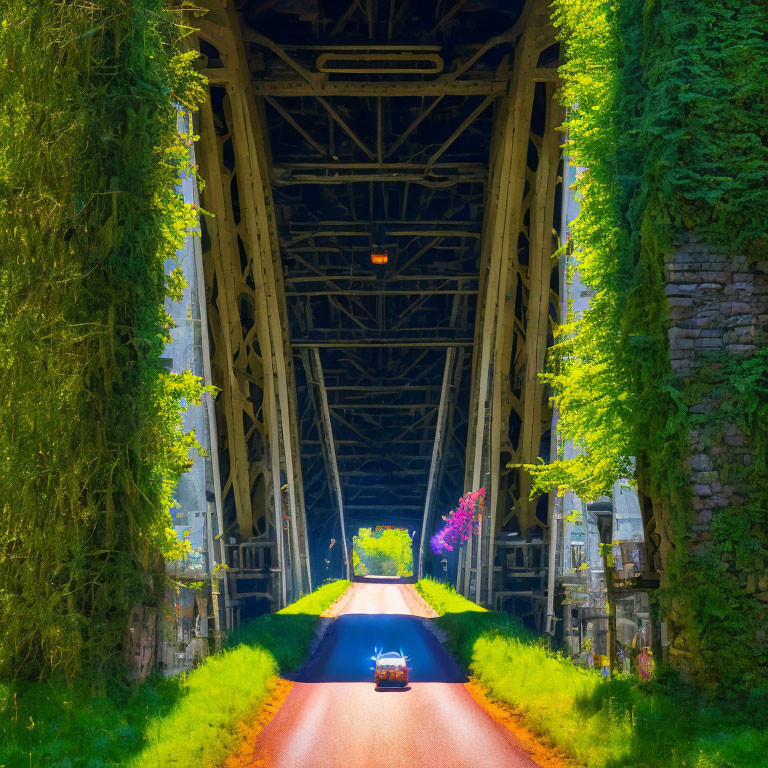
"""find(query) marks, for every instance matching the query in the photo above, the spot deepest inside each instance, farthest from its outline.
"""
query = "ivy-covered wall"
(667, 102)
(90, 438)
(719, 600)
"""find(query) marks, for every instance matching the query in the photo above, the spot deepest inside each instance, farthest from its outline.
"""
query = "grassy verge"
(603, 723)
(175, 722)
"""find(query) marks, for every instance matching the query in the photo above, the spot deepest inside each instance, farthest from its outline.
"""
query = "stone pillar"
(718, 303)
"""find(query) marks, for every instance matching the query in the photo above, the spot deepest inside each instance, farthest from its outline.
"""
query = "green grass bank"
(166, 723)
(616, 723)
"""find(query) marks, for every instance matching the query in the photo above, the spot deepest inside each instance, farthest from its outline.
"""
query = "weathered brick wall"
(717, 303)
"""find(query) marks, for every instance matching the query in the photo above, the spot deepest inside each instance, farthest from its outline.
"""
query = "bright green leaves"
(667, 104)
(388, 552)
(90, 428)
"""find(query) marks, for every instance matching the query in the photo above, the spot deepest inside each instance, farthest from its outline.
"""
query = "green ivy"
(667, 102)
(91, 445)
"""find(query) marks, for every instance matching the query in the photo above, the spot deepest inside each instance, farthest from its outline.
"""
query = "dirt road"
(334, 718)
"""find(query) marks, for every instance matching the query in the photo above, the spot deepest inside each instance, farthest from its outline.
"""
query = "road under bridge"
(384, 179)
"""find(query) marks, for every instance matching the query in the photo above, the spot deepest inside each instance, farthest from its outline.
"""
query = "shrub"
(388, 552)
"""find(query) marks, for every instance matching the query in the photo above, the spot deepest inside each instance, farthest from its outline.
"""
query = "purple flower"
(460, 523)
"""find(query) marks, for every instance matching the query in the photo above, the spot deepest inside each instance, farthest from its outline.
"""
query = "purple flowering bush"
(459, 523)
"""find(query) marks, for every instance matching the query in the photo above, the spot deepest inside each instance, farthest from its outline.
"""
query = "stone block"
(739, 349)
(739, 320)
(713, 277)
(702, 490)
(678, 289)
(709, 343)
(739, 288)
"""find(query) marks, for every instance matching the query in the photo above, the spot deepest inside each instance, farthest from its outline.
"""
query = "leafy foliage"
(90, 440)
(388, 552)
(667, 103)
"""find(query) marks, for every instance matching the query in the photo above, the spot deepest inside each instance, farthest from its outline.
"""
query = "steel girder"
(252, 354)
(509, 414)
(323, 154)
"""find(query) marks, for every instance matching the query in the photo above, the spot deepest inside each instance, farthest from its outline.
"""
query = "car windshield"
(390, 655)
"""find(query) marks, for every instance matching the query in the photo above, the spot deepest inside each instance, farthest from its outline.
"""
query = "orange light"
(379, 258)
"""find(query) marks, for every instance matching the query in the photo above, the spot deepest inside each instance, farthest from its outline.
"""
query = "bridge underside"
(355, 393)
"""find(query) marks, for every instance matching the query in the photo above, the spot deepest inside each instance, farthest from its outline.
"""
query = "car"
(391, 669)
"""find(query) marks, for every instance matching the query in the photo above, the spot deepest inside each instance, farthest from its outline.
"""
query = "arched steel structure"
(356, 393)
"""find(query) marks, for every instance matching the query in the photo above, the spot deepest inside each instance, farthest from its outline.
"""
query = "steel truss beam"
(366, 328)
(383, 343)
(501, 271)
(316, 382)
(256, 231)
(451, 381)
(440, 87)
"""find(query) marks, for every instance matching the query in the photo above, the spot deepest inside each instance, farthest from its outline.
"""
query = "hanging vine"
(91, 444)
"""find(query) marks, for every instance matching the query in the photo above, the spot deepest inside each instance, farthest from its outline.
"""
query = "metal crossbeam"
(383, 343)
(387, 292)
(314, 371)
(439, 87)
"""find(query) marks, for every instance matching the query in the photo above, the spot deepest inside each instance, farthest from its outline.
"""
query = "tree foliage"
(90, 438)
(388, 552)
(667, 104)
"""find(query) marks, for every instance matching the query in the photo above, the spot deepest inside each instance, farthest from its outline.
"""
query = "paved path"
(334, 717)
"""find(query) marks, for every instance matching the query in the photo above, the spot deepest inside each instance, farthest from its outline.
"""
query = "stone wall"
(718, 303)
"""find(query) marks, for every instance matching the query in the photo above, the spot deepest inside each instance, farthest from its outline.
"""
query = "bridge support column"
(252, 359)
(512, 326)
(316, 384)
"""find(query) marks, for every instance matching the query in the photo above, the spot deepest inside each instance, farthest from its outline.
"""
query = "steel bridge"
(354, 393)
